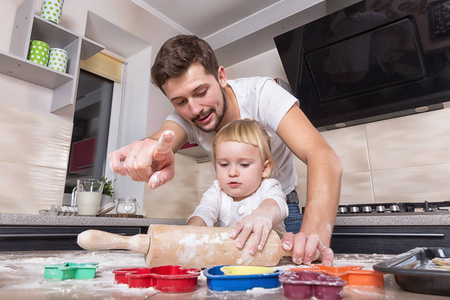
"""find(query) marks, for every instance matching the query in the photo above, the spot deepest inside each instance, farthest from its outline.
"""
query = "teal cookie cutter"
(70, 270)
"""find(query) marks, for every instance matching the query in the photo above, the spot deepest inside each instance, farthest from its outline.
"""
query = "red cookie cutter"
(167, 279)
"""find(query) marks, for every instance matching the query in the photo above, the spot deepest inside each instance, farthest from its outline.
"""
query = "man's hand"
(146, 160)
(304, 247)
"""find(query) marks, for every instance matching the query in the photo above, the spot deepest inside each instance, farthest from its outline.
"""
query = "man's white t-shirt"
(263, 100)
(216, 208)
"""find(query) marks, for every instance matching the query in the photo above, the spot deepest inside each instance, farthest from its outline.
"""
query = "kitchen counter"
(21, 277)
(46, 220)
(395, 219)
(387, 219)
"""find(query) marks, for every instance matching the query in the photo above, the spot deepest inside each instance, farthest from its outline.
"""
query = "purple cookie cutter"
(306, 284)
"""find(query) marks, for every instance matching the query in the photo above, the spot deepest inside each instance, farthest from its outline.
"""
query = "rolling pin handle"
(101, 240)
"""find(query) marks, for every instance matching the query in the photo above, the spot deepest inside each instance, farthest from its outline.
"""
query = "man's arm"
(323, 186)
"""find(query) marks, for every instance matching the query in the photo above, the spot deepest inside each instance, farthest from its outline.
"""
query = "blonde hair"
(245, 131)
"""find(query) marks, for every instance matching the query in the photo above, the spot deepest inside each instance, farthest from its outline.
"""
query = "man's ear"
(222, 77)
(267, 169)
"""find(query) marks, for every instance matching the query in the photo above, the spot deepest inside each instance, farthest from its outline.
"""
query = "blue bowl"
(217, 281)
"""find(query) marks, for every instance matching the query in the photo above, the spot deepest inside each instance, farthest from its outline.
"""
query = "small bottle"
(126, 206)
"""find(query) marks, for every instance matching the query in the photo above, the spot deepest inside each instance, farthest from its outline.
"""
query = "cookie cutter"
(216, 280)
(353, 275)
(167, 279)
(70, 270)
(308, 284)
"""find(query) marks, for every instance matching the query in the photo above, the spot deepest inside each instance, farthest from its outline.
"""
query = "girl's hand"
(258, 224)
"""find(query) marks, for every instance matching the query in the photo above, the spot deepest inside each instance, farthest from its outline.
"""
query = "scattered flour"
(21, 276)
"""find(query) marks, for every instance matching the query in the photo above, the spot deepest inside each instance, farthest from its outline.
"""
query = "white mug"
(86, 196)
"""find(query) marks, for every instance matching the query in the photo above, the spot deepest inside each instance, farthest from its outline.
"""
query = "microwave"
(373, 60)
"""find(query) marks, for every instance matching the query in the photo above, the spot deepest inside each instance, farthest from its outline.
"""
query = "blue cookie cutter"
(217, 281)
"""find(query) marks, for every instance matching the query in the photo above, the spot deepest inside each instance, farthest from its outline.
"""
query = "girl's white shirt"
(216, 208)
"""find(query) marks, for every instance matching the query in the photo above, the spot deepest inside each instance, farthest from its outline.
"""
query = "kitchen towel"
(39, 52)
(51, 10)
(58, 59)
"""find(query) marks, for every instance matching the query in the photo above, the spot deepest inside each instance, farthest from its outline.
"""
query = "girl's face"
(240, 169)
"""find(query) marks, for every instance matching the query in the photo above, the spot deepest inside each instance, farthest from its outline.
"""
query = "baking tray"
(414, 271)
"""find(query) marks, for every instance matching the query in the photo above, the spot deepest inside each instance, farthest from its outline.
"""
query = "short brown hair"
(245, 131)
(178, 53)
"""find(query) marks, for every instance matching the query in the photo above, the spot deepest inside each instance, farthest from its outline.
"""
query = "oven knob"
(342, 209)
(354, 209)
(380, 209)
(394, 208)
(367, 209)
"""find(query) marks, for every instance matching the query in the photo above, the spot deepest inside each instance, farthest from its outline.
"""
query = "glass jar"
(126, 206)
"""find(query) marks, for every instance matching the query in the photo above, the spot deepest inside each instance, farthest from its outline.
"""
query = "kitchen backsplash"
(33, 160)
(405, 159)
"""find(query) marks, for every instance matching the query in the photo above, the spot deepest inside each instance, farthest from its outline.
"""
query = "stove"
(391, 228)
(373, 209)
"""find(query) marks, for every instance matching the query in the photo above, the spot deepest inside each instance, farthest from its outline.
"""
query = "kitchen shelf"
(27, 27)
(26, 70)
(89, 48)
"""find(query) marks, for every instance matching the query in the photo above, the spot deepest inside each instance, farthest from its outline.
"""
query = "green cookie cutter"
(70, 270)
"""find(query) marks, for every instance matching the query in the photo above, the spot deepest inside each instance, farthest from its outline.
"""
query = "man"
(187, 72)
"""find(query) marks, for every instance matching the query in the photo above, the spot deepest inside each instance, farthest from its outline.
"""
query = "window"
(90, 128)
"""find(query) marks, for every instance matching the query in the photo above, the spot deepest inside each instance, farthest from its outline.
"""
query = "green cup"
(51, 10)
(58, 59)
(39, 52)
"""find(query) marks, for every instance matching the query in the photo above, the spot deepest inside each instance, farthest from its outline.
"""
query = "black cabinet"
(28, 238)
(387, 239)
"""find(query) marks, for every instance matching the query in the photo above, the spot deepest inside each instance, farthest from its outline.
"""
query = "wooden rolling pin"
(189, 246)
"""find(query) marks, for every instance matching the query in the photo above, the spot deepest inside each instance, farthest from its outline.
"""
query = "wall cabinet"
(27, 27)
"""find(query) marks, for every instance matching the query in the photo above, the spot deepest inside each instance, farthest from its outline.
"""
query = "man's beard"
(219, 116)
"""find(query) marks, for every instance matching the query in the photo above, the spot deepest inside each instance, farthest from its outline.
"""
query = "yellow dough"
(441, 263)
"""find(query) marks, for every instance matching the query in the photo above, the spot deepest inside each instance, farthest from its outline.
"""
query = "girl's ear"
(267, 169)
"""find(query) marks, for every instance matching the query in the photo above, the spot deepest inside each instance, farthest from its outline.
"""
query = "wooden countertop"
(21, 277)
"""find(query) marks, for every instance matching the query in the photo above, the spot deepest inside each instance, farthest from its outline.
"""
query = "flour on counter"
(24, 271)
(22, 277)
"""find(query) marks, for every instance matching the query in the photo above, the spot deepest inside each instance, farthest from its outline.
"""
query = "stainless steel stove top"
(394, 208)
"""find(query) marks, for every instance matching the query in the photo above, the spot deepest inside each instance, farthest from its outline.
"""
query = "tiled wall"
(178, 198)
(404, 159)
(33, 160)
